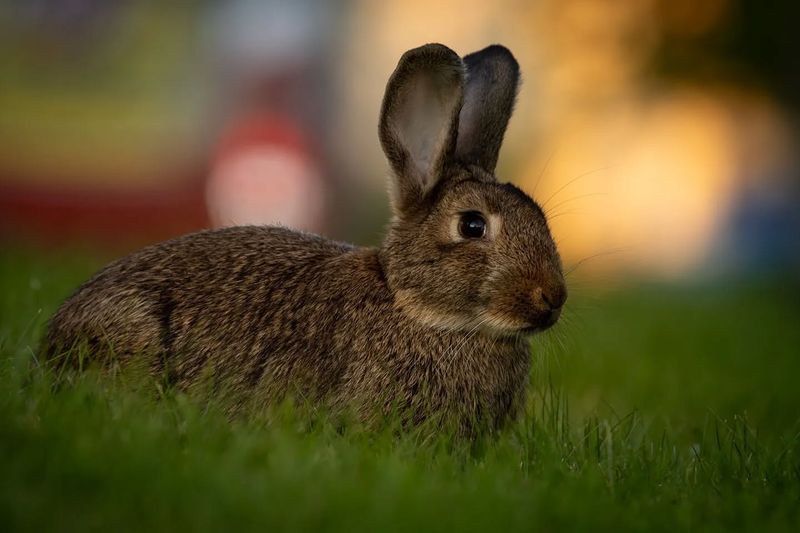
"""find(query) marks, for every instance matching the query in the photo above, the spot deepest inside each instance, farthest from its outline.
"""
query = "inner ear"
(419, 121)
(425, 128)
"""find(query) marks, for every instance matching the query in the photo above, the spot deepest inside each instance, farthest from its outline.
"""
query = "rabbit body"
(270, 312)
(434, 322)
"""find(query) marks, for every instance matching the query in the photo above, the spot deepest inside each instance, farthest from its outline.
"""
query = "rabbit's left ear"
(489, 94)
(419, 121)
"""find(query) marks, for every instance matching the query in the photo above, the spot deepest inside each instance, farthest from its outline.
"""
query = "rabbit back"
(203, 301)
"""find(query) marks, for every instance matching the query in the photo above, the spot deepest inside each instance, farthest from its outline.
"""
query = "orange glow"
(661, 164)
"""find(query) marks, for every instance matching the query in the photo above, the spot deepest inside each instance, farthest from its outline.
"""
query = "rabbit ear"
(491, 87)
(419, 120)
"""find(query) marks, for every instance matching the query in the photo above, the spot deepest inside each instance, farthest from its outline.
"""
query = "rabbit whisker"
(564, 213)
(573, 180)
(450, 358)
(579, 197)
(542, 172)
(594, 256)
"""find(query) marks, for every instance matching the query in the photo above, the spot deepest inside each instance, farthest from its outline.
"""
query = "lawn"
(653, 407)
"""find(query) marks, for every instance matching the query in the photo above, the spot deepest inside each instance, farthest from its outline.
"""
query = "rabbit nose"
(550, 298)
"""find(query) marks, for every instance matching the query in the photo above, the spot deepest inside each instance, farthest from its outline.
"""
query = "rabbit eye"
(472, 225)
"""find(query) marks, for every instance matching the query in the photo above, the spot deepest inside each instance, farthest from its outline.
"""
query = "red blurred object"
(258, 129)
(265, 172)
(56, 214)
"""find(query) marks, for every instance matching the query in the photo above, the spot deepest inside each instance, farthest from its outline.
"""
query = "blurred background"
(660, 135)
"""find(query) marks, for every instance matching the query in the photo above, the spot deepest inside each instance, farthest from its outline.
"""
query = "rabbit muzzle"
(546, 303)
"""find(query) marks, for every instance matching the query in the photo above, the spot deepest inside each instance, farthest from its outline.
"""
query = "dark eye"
(472, 225)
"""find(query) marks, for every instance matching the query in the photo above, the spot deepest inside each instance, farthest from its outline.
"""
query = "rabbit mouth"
(542, 322)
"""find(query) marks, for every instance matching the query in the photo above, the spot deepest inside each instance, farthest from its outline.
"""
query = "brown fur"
(429, 323)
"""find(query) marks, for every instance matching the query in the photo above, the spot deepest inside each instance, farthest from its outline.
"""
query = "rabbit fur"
(431, 322)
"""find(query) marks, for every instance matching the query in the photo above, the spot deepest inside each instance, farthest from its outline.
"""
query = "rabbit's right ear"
(489, 94)
(419, 120)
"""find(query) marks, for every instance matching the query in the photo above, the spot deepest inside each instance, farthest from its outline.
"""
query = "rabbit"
(436, 322)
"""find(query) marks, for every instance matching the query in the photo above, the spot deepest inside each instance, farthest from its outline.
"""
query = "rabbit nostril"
(547, 300)
(552, 299)
(540, 298)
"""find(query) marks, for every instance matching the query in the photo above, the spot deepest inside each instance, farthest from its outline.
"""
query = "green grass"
(656, 408)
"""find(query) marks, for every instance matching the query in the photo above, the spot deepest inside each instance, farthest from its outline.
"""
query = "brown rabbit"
(435, 322)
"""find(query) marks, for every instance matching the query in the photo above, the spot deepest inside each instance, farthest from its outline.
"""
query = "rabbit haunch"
(433, 322)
